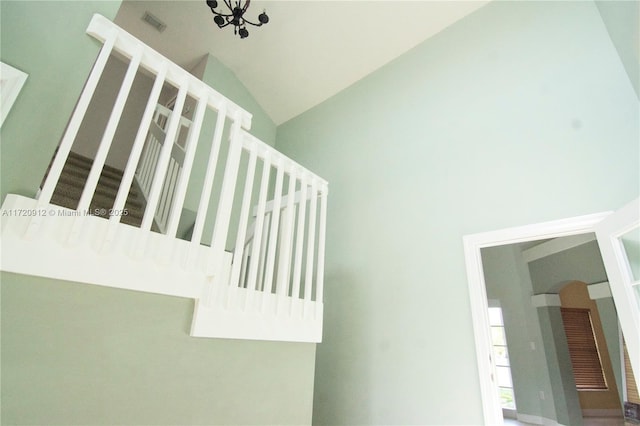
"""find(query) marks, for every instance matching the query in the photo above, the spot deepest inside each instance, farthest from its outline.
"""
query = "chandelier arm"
(224, 15)
(228, 3)
(255, 25)
(246, 6)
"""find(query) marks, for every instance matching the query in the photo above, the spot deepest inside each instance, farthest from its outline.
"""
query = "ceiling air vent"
(154, 22)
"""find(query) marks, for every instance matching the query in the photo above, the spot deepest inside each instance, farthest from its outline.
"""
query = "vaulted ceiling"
(309, 51)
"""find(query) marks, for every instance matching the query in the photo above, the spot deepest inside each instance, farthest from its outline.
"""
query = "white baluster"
(183, 179)
(321, 244)
(273, 237)
(227, 192)
(244, 220)
(284, 254)
(205, 195)
(297, 267)
(263, 252)
(258, 239)
(308, 282)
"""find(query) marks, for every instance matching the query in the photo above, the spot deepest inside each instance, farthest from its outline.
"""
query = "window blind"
(583, 349)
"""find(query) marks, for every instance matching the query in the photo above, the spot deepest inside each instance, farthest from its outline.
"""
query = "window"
(501, 357)
(583, 349)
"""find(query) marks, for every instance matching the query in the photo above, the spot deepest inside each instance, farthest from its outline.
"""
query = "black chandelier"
(236, 16)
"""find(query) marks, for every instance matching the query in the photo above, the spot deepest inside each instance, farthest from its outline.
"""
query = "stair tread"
(71, 184)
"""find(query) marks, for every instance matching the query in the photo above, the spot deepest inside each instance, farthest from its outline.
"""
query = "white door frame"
(478, 293)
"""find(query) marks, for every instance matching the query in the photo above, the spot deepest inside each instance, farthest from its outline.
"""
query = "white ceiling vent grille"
(154, 22)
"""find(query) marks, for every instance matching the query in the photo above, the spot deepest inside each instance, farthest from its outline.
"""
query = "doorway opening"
(477, 287)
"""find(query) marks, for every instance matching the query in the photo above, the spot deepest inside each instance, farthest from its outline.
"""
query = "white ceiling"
(309, 51)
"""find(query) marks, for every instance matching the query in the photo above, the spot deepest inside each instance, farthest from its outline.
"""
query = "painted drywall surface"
(507, 280)
(77, 354)
(582, 263)
(559, 366)
(519, 113)
(622, 19)
(47, 40)
(576, 295)
(609, 321)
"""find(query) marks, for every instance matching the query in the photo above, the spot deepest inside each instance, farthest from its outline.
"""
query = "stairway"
(72, 180)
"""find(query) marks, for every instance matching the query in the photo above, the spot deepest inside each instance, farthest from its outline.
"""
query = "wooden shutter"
(583, 349)
(632, 389)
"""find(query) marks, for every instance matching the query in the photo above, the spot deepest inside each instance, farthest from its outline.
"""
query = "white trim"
(599, 290)
(542, 300)
(556, 246)
(492, 411)
(11, 82)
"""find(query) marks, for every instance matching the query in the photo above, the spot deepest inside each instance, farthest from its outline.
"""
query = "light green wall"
(581, 263)
(519, 113)
(556, 351)
(75, 354)
(223, 79)
(47, 40)
(622, 19)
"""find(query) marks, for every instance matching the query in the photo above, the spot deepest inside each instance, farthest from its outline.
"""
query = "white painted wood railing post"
(322, 230)
(308, 282)
(297, 267)
(205, 195)
(165, 156)
(273, 233)
(185, 173)
(72, 130)
(252, 280)
(284, 254)
(227, 192)
(244, 220)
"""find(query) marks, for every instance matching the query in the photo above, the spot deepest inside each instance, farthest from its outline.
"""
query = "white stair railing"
(278, 276)
(269, 251)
